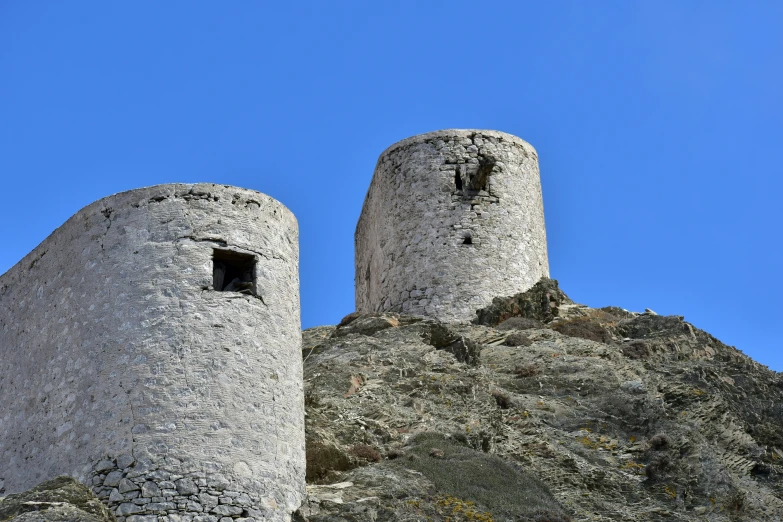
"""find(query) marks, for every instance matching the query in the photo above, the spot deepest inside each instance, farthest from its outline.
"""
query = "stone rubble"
(142, 492)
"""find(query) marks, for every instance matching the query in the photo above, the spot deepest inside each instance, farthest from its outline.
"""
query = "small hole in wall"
(467, 240)
(233, 272)
(457, 179)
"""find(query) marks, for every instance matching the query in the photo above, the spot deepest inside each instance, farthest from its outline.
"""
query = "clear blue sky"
(659, 127)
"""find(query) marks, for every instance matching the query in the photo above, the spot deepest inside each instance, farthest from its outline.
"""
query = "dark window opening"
(481, 177)
(467, 240)
(233, 272)
(457, 179)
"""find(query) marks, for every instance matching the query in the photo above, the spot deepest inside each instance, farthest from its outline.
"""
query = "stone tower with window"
(151, 347)
(452, 219)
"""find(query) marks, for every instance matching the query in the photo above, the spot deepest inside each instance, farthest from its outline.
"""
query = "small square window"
(233, 272)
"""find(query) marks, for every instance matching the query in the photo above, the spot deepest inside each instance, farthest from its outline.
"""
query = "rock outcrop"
(542, 410)
(61, 499)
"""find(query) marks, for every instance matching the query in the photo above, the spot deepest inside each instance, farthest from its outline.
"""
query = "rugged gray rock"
(590, 414)
(61, 499)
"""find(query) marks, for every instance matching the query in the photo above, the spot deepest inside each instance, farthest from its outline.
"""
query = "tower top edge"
(458, 133)
(165, 190)
(133, 197)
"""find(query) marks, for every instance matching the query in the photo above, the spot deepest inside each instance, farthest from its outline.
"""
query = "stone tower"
(452, 219)
(150, 347)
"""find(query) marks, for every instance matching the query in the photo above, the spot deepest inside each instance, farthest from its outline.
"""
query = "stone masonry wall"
(122, 366)
(452, 219)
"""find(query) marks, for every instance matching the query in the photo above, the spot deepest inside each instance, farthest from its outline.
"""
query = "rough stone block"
(142, 518)
(186, 486)
(160, 507)
(225, 510)
(129, 508)
(112, 479)
(150, 489)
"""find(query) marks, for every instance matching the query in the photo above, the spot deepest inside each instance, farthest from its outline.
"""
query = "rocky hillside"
(542, 410)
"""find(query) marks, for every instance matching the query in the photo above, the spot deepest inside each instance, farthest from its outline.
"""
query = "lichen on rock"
(61, 499)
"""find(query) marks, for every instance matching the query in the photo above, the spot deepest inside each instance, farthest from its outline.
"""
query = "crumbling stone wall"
(122, 365)
(452, 219)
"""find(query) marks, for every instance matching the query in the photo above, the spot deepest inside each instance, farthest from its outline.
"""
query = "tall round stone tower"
(151, 347)
(452, 219)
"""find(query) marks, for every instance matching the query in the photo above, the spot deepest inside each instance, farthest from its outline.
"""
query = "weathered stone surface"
(142, 518)
(227, 510)
(194, 507)
(207, 500)
(451, 219)
(59, 513)
(125, 461)
(217, 482)
(464, 350)
(104, 465)
(119, 355)
(59, 499)
(112, 479)
(541, 302)
(660, 422)
(160, 507)
(129, 508)
(186, 486)
(649, 326)
(125, 485)
(150, 489)
(367, 325)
